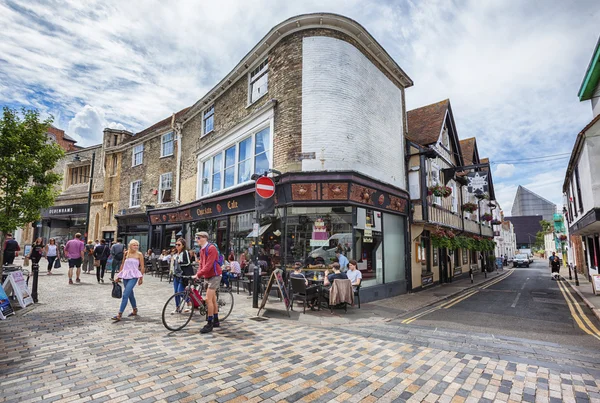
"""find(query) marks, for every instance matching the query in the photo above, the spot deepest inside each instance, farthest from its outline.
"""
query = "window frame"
(160, 188)
(114, 164)
(578, 189)
(79, 175)
(131, 186)
(210, 109)
(261, 69)
(133, 154)
(163, 143)
(252, 158)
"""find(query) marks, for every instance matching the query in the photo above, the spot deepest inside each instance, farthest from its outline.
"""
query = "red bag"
(198, 296)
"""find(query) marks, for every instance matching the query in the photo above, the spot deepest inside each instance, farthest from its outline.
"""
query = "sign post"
(265, 189)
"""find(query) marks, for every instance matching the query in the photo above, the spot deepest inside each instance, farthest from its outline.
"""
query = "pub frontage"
(315, 215)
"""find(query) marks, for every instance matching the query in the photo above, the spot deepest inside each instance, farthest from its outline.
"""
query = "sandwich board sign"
(5, 307)
(276, 278)
(15, 282)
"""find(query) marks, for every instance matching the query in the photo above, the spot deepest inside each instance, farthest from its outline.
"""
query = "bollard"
(256, 285)
(35, 268)
(576, 278)
(471, 274)
(570, 266)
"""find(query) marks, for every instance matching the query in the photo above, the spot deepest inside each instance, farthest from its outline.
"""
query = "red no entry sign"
(265, 187)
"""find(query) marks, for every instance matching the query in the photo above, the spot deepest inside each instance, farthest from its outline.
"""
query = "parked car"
(510, 259)
(521, 260)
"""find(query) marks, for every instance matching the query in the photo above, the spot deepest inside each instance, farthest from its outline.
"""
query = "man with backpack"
(116, 251)
(209, 268)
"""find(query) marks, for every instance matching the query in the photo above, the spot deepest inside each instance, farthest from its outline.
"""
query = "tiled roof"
(166, 122)
(467, 146)
(425, 124)
(484, 161)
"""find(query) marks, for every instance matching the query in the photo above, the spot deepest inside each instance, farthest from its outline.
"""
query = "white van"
(327, 252)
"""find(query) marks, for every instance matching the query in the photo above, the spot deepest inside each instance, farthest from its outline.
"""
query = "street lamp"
(77, 158)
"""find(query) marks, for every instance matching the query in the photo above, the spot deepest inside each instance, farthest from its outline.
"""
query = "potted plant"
(487, 217)
(469, 207)
(439, 191)
(562, 237)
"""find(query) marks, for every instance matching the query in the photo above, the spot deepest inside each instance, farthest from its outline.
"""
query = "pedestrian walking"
(88, 257)
(132, 273)
(555, 266)
(37, 251)
(210, 270)
(101, 253)
(75, 250)
(182, 268)
(116, 252)
(11, 249)
(51, 252)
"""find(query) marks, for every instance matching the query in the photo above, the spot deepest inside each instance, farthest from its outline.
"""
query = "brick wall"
(66, 145)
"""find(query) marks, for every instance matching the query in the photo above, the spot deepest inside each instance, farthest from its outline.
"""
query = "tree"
(547, 226)
(27, 183)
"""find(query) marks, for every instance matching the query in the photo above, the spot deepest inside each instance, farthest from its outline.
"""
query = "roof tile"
(425, 124)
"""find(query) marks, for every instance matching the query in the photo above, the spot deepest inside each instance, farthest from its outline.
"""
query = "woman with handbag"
(132, 273)
(37, 251)
(182, 267)
(51, 252)
(101, 253)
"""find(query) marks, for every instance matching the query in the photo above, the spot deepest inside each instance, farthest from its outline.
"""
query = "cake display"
(319, 230)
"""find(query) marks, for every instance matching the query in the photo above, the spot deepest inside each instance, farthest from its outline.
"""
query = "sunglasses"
(177, 244)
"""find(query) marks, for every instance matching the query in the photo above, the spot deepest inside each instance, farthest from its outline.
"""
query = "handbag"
(57, 263)
(26, 262)
(117, 291)
(96, 263)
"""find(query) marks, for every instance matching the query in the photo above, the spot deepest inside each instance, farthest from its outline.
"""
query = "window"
(229, 167)
(80, 175)
(245, 160)
(578, 186)
(465, 256)
(454, 198)
(208, 120)
(217, 170)
(237, 163)
(138, 155)
(259, 81)
(135, 194)
(206, 177)
(114, 164)
(167, 141)
(164, 188)
(573, 200)
(109, 213)
(445, 138)
(115, 140)
(423, 253)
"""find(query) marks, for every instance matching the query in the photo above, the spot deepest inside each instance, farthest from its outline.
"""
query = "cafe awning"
(262, 230)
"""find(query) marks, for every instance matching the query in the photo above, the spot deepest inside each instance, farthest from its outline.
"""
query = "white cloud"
(88, 124)
(504, 171)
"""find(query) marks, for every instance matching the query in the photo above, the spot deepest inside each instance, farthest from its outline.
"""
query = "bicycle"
(176, 315)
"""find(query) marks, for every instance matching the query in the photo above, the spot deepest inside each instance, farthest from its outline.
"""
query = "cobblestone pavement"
(66, 349)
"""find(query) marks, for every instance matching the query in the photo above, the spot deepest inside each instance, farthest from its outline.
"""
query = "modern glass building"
(528, 203)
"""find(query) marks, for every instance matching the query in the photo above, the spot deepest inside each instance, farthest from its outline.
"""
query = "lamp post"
(77, 158)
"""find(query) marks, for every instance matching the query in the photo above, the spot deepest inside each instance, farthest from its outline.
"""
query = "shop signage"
(68, 210)
(16, 283)
(478, 182)
(5, 307)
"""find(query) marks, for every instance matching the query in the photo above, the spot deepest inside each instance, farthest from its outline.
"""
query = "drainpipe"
(177, 130)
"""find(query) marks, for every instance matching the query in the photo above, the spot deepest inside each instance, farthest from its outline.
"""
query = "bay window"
(217, 169)
(229, 167)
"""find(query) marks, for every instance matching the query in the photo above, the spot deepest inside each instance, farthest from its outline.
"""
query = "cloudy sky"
(511, 69)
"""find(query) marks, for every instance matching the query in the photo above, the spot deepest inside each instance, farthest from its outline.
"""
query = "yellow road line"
(575, 308)
(460, 299)
(456, 299)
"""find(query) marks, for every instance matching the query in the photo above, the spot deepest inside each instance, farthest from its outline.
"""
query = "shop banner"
(15, 282)
(5, 308)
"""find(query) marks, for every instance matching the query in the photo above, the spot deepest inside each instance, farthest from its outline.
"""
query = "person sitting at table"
(165, 256)
(329, 277)
(354, 274)
(312, 292)
(150, 255)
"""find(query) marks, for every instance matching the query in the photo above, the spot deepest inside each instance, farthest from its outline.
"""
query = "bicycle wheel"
(225, 303)
(175, 317)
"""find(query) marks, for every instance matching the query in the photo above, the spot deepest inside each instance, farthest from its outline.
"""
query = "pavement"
(67, 349)
(584, 290)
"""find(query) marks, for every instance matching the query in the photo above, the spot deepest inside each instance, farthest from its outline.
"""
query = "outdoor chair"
(163, 268)
(154, 264)
(357, 295)
(298, 292)
(340, 294)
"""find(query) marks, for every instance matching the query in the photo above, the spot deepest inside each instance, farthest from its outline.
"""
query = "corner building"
(319, 100)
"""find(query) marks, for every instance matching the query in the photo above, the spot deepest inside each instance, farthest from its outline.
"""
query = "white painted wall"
(596, 101)
(351, 111)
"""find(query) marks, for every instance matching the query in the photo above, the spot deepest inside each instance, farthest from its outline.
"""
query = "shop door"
(222, 241)
(444, 265)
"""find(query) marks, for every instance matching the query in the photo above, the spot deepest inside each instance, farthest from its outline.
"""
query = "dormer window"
(445, 138)
(208, 120)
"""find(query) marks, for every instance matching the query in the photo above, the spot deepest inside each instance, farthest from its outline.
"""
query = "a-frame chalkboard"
(276, 278)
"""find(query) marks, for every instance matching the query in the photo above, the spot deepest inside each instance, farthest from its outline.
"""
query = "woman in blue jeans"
(132, 273)
(182, 266)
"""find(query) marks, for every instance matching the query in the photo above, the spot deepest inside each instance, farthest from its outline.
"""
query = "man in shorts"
(210, 270)
(74, 249)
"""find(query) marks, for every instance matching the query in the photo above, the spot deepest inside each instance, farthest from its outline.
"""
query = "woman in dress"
(132, 273)
(51, 252)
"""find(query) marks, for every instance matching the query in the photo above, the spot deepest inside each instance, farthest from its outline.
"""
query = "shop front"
(133, 227)
(315, 215)
(62, 222)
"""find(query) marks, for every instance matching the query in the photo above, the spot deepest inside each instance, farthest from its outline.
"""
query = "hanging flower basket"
(469, 207)
(496, 222)
(439, 191)
(487, 217)
(482, 196)
(562, 237)
(463, 180)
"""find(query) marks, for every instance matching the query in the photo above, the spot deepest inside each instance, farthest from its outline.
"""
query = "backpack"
(220, 259)
(119, 255)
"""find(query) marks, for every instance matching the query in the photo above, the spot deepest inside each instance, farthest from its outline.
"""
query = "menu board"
(276, 278)
(596, 283)
(16, 282)
(5, 307)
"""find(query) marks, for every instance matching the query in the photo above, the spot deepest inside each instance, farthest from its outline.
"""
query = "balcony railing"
(444, 217)
(471, 226)
(486, 231)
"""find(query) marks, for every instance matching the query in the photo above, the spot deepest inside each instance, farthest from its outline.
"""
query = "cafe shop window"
(79, 175)
(314, 234)
(423, 253)
(394, 237)
(235, 164)
(368, 245)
